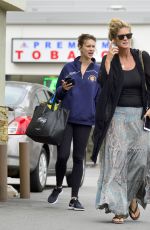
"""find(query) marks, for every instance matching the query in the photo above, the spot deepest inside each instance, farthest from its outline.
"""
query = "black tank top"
(131, 95)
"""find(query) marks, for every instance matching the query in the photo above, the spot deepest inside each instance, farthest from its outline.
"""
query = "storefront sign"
(51, 50)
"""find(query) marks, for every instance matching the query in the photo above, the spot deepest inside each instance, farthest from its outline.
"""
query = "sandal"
(118, 219)
(133, 212)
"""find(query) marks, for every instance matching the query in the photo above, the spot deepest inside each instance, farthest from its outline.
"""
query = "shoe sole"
(119, 220)
(75, 209)
(56, 200)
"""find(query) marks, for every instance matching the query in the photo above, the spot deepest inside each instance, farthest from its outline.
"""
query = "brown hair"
(115, 25)
(84, 37)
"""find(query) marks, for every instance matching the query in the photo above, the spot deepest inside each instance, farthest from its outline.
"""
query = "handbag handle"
(141, 58)
(53, 101)
(142, 62)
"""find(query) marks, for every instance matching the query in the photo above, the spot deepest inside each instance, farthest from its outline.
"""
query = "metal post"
(3, 115)
(24, 170)
(3, 172)
(2, 55)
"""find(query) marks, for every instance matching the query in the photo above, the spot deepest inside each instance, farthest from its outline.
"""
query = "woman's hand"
(147, 113)
(66, 86)
(113, 49)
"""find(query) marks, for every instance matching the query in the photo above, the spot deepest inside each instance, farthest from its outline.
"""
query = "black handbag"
(47, 124)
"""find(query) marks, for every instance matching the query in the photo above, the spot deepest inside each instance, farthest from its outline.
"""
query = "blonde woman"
(121, 107)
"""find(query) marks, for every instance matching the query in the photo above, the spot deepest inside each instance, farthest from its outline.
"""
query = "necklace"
(123, 67)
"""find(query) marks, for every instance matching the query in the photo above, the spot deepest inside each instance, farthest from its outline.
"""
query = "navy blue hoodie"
(80, 99)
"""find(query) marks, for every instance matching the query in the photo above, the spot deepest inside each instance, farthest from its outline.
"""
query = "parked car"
(21, 99)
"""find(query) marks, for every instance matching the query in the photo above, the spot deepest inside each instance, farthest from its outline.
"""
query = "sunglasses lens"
(121, 36)
(129, 36)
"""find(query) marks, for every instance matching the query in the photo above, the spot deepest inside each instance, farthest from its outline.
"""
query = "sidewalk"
(37, 214)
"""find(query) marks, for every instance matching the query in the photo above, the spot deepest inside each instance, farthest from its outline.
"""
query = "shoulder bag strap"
(142, 62)
(141, 58)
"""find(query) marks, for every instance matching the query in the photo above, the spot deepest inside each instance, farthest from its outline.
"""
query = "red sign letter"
(71, 55)
(19, 52)
(104, 53)
(36, 54)
(54, 54)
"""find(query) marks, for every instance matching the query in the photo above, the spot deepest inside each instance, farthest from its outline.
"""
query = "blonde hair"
(115, 25)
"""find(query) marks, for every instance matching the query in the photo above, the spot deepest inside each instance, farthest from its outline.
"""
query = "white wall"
(140, 38)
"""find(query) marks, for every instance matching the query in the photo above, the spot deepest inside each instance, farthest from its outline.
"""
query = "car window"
(14, 95)
(35, 101)
(48, 94)
(41, 96)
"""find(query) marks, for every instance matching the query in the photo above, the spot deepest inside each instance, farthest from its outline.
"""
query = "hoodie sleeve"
(60, 92)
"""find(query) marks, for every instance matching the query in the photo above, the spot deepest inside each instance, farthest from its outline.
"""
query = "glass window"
(14, 95)
(48, 94)
(35, 101)
(41, 96)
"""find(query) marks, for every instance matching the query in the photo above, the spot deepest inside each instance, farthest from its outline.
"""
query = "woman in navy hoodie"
(78, 89)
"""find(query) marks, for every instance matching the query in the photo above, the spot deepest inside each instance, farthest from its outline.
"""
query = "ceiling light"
(116, 7)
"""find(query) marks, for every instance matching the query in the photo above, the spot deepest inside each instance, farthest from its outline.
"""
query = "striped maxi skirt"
(124, 163)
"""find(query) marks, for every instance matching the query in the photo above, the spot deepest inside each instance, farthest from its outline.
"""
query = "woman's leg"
(80, 139)
(63, 153)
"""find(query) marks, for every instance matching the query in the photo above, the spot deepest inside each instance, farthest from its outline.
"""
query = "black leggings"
(80, 135)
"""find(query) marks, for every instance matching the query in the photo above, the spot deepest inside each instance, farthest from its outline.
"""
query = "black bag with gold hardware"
(47, 124)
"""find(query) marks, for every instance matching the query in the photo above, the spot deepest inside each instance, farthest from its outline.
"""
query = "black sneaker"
(53, 197)
(75, 205)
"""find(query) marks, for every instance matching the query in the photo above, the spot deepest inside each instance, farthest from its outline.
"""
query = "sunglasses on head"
(122, 36)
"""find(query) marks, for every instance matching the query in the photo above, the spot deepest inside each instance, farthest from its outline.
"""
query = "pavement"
(37, 214)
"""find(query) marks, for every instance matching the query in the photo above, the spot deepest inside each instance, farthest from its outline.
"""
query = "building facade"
(39, 43)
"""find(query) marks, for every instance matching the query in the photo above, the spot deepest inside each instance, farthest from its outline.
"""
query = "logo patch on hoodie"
(92, 78)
